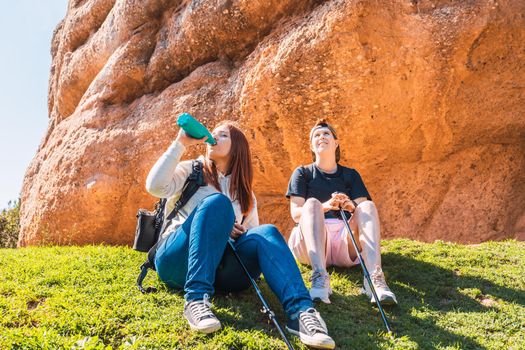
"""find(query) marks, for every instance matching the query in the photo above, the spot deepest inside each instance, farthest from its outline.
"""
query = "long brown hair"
(239, 166)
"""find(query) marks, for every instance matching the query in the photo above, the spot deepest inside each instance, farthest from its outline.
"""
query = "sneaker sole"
(318, 300)
(387, 301)
(307, 340)
(206, 330)
(326, 301)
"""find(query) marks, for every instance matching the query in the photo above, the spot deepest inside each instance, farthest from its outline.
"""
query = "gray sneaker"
(320, 287)
(385, 295)
(200, 317)
(311, 329)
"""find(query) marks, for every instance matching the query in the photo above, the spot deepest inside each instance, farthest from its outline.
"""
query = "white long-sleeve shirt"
(167, 177)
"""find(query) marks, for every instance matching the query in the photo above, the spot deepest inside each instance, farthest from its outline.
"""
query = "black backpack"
(192, 184)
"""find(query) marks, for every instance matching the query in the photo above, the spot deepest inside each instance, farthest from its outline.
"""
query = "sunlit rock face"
(428, 98)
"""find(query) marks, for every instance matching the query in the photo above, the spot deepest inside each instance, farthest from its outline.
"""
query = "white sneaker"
(320, 287)
(200, 317)
(385, 295)
(311, 329)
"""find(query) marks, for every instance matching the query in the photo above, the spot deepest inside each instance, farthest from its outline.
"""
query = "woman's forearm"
(162, 180)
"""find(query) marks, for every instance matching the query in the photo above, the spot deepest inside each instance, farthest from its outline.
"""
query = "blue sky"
(26, 28)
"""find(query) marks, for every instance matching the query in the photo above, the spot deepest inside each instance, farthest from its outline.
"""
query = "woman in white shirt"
(194, 244)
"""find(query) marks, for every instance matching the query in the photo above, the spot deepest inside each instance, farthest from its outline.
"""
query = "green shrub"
(10, 225)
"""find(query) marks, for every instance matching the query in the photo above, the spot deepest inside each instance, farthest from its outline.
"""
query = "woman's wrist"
(180, 141)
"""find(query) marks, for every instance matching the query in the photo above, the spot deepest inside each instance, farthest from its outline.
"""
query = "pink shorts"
(336, 246)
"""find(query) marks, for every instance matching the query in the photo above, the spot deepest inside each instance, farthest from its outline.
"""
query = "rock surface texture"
(428, 98)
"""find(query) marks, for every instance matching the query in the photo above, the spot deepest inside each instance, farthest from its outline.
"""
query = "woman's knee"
(312, 206)
(313, 202)
(367, 206)
(217, 199)
(219, 202)
(269, 232)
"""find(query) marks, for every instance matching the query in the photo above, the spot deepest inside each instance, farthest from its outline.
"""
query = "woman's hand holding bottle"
(188, 141)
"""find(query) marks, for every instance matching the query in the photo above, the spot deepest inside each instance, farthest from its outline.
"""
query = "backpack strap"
(143, 272)
(192, 184)
(159, 217)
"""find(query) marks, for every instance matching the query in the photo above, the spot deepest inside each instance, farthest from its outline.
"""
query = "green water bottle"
(194, 129)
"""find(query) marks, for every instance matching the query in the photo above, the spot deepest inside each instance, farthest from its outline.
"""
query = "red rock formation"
(428, 98)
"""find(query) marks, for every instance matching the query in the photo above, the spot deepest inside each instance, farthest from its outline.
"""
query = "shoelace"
(319, 280)
(201, 309)
(378, 279)
(312, 322)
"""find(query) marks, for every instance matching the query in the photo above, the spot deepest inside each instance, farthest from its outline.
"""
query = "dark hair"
(239, 166)
(322, 123)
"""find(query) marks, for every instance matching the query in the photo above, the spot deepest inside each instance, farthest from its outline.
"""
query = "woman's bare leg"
(314, 233)
(314, 237)
(366, 228)
(367, 232)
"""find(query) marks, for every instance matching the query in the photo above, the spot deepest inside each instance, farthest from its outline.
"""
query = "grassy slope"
(451, 297)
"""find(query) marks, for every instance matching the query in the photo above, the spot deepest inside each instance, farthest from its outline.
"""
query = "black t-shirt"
(321, 185)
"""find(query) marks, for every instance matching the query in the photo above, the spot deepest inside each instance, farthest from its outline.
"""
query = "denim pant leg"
(191, 254)
(171, 259)
(265, 246)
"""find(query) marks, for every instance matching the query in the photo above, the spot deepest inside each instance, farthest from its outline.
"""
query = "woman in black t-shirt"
(320, 238)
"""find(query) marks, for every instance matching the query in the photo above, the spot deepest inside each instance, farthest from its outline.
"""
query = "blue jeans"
(195, 257)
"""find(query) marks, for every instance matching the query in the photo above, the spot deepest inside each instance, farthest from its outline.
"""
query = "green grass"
(451, 297)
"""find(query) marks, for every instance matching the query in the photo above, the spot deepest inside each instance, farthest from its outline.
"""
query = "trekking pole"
(365, 270)
(265, 309)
